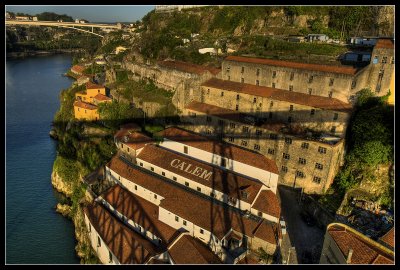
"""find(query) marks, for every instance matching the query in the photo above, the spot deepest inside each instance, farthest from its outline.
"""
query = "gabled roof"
(78, 68)
(267, 202)
(188, 67)
(384, 43)
(85, 105)
(279, 63)
(388, 238)
(220, 148)
(134, 140)
(280, 94)
(101, 97)
(91, 85)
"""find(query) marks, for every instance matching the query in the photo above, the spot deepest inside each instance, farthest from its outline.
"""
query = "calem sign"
(189, 168)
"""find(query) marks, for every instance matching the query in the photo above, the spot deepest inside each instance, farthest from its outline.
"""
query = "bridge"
(70, 25)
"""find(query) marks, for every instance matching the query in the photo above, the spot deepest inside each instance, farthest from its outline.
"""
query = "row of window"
(300, 174)
(384, 60)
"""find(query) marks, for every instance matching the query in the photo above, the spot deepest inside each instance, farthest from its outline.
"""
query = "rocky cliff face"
(60, 185)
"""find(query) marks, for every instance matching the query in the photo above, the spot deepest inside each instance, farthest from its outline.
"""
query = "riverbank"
(13, 55)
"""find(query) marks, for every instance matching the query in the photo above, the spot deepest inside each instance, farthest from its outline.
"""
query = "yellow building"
(391, 97)
(99, 98)
(91, 91)
(85, 111)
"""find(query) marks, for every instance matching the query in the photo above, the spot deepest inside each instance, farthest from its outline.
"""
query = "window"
(176, 218)
(155, 196)
(174, 178)
(184, 223)
(98, 241)
(185, 149)
(273, 136)
(186, 184)
(135, 187)
(300, 174)
(291, 76)
(223, 162)
(271, 104)
(330, 94)
(392, 61)
(309, 91)
(304, 145)
(152, 169)
(201, 231)
(163, 173)
(242, 69)
(245, 129)
(231, 139)
(257, 82)
(244, 143)
(288, 140)
(310, 79)
(208, 91)
(331, 81)
(384, 60)
(302, 161)
(212, 194)
(274, 74)
(289, 119)
(258, 72)
(256, 147)
(258, 132)
(312, 112)
(317, 179)
(271, 151)
(286, 156)
(242, 80)
(284, 169)
(335, 116)
(375, 61)
(255, 100)
(270, 114)
(128, 149)
(353, 84)
(222, 94)
(273, 85)
(90, 228)
(259, 214)
(290, 87)
(221, 122)
(141, 164)
(237, 97)
(208, 119)
(333, 129)
(208, 132)
(232, 125)
(319, 166)
(237, 107)
(198, 189)
(291, 108)
(322, 150)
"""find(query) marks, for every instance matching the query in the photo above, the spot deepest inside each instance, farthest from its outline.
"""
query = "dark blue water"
(35, 233)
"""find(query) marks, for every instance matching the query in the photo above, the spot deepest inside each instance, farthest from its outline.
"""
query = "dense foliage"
(115, 113)
(51, 16)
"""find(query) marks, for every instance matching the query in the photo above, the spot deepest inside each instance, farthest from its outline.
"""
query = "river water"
(35, 232)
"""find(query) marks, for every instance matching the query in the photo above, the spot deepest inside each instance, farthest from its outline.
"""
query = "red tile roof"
(314, 67)
(78, 68)
(280, 94)
(188, 250)
(267, 202)
(85, 105)
(140, 211)
(91, 85)
(101, 97)
(134, 140)
(188, 205)
(223, 149)
(388, 238)
(365, 250)
(384, 43)
(127, 245)
(188, 67)
(220, 180)
(267, 231)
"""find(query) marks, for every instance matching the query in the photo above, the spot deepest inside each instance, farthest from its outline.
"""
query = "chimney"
(348, 261)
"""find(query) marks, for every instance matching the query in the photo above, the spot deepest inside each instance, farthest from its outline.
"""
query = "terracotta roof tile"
(221, 180)
(127, 245)
(91, 85)
(188, 67)
(134, 140)
(85, 105)
(267, 202)
(314, 67)
(188, 205)
(280, 94)
(188, 250)
(384, 43)
(78, 68)
(388, 238)
(364, 251)
(267, 231)
(101, 97)
(223, 149)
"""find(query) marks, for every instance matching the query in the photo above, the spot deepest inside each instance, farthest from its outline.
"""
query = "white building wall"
(102, 251)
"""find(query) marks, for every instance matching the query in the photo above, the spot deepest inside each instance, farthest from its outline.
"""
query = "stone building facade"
(303, 160)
